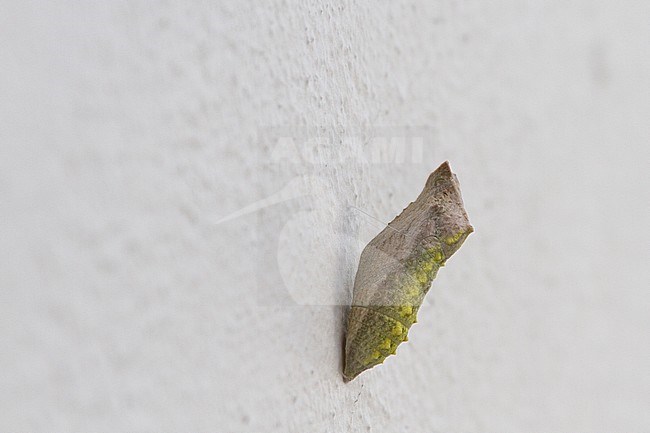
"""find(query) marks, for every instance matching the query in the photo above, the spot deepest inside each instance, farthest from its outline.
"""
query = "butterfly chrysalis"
(396, 270)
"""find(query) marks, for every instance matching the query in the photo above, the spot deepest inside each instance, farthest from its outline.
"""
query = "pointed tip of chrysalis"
(442, 174)
(353, 368)
(350, 371)
(443, 169)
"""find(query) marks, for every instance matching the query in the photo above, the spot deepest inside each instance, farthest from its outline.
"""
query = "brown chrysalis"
(396, 270)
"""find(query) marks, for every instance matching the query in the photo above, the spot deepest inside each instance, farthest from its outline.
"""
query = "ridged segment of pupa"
(396, 270)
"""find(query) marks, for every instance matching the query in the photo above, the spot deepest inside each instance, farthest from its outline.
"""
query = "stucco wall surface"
(185, 188)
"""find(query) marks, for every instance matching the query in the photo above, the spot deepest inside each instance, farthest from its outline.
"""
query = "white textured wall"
(129, 128)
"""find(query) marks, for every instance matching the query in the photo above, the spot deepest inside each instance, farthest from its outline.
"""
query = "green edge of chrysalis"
(396, 270)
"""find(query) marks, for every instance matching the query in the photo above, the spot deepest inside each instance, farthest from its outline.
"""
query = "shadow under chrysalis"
(396, 270)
